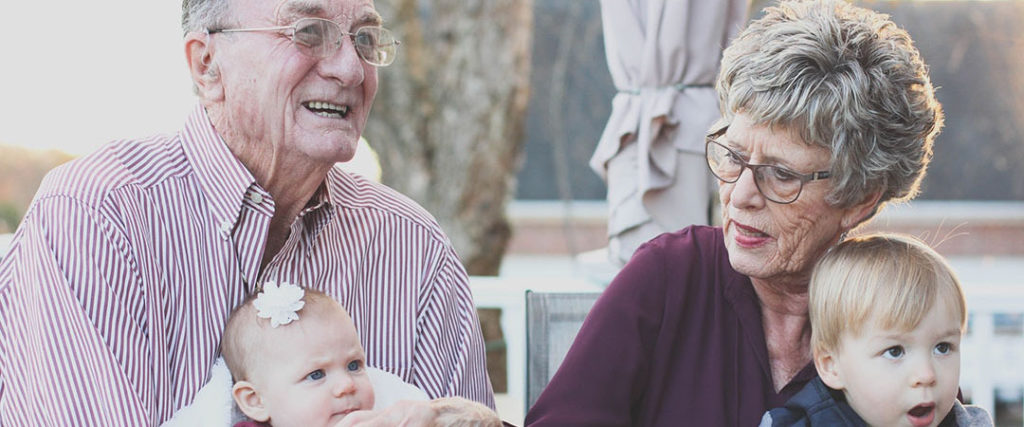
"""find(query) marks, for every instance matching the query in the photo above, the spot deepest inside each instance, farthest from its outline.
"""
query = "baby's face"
(895, 378)
(313, 372)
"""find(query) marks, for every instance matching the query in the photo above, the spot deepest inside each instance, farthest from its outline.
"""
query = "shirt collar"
(321, 198)
(318, 212)
(222, 177)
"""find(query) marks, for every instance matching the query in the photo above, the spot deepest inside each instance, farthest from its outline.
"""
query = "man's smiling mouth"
(327, 109)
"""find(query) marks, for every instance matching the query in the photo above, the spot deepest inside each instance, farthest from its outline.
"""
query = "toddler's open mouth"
(922, 415)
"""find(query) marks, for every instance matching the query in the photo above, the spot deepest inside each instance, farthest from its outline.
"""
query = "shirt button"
(225, 227)
(256, 198)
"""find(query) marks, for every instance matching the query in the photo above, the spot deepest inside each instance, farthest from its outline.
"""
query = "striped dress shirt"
(117, 285)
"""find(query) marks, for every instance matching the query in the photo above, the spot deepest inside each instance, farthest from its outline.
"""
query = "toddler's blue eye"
(354, 365)
(316, 375)
(943, 348)
(894, 352)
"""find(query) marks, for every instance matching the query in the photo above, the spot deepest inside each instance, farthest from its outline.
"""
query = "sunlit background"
(75, 75)
(78, 74)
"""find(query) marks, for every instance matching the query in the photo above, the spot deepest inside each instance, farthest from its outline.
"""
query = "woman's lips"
(921, 415)
(749, 237)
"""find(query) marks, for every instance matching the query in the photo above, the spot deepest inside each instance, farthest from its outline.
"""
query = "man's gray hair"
(198, 15)
(849, 80)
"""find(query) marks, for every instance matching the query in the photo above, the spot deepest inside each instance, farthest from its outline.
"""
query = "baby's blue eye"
(943, 348)
(354, 365)
(894, 352)
(316, 375)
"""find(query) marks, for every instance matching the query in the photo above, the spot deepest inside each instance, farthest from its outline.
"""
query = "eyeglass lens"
(778, 184)
(321, 38)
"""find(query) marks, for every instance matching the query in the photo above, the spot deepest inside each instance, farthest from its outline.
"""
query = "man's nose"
(345, 64)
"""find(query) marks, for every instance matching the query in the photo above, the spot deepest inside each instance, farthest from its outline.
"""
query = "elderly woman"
(827, 114)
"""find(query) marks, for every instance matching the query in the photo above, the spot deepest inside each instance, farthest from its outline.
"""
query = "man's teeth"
(326, 109)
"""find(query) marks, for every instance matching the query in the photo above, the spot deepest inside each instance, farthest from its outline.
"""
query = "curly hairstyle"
(849, 80)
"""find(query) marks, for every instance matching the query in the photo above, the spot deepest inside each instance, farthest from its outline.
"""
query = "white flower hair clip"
(279, 303)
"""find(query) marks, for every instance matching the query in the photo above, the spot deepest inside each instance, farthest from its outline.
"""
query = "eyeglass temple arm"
(244, 30)
(286, 27)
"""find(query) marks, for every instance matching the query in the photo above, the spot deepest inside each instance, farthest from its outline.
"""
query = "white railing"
(5, 241)
(993, 360)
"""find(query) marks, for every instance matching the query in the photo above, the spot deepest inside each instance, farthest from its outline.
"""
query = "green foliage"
(21, 170)
(10, 217)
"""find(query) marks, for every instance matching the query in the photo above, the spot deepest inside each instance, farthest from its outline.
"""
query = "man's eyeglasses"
(775, 183)
(320, 38)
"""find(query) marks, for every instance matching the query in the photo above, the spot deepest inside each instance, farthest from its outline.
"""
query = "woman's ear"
(249, 401)
(205, 73)
(826, 364)
(859, 212)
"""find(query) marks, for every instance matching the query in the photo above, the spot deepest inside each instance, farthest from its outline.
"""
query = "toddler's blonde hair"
(890, 278)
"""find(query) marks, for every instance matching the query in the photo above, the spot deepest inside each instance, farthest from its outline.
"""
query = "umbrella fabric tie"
(679, 86)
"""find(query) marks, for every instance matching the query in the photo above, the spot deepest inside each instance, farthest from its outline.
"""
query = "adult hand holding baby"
(445, 411)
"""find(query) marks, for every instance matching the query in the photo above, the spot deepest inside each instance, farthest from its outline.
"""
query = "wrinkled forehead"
(284, 12)
(352, 12)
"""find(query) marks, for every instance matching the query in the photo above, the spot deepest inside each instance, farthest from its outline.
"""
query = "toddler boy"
(887, 315)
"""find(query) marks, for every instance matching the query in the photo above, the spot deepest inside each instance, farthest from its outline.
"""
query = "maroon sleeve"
(605, 373)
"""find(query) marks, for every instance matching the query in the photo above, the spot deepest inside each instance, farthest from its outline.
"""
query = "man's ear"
(204, 71)
(249, 401)
(856, 214)
(826, 364)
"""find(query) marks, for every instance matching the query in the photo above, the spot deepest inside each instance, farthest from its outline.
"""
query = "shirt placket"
(250, 236)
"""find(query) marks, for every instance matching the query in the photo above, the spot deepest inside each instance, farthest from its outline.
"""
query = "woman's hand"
(445, 411)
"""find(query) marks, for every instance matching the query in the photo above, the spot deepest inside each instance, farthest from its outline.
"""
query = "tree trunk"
(449, 115)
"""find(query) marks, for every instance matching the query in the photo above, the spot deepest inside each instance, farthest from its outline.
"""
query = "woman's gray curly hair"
(198, 15)
(849, 80)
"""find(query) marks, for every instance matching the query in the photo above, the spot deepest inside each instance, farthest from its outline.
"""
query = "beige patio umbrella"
(663, 56)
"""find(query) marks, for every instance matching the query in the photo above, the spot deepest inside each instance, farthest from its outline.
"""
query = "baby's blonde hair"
(891, 278)
(244, 330)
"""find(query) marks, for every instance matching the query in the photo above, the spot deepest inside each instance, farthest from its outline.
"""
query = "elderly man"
(118, 282)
